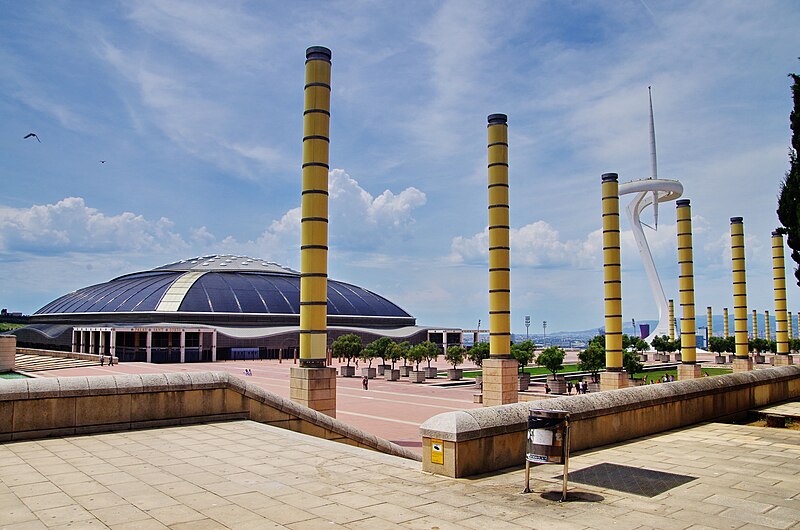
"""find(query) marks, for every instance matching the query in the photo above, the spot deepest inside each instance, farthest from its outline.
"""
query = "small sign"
(437, 452)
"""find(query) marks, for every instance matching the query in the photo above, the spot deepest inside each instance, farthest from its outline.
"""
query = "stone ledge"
(490, 421)
(29, 390)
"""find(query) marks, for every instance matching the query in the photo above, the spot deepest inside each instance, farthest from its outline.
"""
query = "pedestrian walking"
(365, 382)
(569, 387)
(102, 360)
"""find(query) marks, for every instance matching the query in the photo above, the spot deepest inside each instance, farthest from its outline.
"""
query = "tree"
(368, 353)
(661, 344)
(381, 347)
(718, 345)
(478, 353)
(455, 355)
(551, 358)
(630, 361)
(395, 353)
(347, 347)
(431, 351)
(592, 359)
(402, 351)
(416, 355)
(789, 197)
(628, 342)
(523, 353)
(641, 345)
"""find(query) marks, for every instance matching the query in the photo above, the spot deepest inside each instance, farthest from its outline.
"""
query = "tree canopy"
(478, 353)
(523, 353)
(593, 358)
(455, 355)
(551, 358)
(789, 197)
(347, 347)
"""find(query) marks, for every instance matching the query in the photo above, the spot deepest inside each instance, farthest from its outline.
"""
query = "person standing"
(365, 382)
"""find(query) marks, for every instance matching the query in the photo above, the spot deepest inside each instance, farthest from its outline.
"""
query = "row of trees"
(720, 345)
(593, 358)
(350, 347)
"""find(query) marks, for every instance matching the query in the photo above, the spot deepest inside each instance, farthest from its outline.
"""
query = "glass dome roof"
(217, 284)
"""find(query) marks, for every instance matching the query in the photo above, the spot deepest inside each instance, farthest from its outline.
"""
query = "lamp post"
(544, 330)
(527, 327)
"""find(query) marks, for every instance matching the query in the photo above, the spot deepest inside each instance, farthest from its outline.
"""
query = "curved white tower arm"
(665, 190)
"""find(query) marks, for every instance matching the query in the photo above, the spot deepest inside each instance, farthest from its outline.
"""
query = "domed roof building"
(209, 308)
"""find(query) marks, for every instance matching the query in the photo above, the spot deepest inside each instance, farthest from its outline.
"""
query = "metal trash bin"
(548, 442)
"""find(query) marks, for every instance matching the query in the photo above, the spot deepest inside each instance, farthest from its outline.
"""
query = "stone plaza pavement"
(243, 474)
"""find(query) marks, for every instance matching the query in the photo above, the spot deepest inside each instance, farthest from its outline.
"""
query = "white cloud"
(71, 226)
(359, 221)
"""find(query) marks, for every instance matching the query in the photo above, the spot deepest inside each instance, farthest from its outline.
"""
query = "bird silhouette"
(102, 161)
(29, 135)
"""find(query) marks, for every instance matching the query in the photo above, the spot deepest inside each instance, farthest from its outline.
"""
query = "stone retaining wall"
(64, 354)
(62, 406)
(483, 440)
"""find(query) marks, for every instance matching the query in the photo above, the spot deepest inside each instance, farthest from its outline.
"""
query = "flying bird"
(102, 161)
(29, 135)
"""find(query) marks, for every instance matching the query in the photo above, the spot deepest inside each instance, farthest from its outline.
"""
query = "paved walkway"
(247, 475)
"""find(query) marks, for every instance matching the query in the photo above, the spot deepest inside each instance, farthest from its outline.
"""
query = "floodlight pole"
(527, 327)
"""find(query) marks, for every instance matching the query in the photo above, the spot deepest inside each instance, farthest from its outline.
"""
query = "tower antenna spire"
(653, 162)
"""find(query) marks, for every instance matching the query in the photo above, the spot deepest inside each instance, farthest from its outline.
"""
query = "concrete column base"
(314, 388)
(782, 359)
(500, 383)
(613, 380)
(742, 364)
(689, 371)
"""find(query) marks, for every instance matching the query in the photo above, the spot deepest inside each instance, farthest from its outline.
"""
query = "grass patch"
(6, 326)
(651, 374)
(13, 375)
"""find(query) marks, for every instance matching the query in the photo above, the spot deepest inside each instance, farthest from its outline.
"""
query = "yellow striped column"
(688, 369)
(726, 332)
(709, 323)
(782, 356)
(789, 326)
(671, 320)
(500, 384)
(742, 361)
(767, 326)
(755, 324)
(313, 384)
(614, 376)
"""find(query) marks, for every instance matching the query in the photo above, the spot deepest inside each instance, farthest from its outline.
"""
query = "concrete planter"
(391, 375)
(558, 385)
(642, 357)
(759, 358)
(719, 359)
(369, 373)
(678, 357)
(524, 381)
(347, 371)
(431, 372)
(479, 380)
(383, 367)
(405, 370)
(416, 377)
(455, 374)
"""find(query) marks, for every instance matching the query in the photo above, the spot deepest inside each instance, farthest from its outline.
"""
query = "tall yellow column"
(789, 326)
(767, 326)
(709, 323)
(742, 361)
(755, 324)
(500, 384)
(671, 320)
(614, 376)
(313, 383)
(782, 356)
(726, 332)
(688, 369)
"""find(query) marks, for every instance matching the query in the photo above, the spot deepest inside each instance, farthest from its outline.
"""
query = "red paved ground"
(391, 410)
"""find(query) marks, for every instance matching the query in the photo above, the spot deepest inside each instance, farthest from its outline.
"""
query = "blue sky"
(197, 109)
